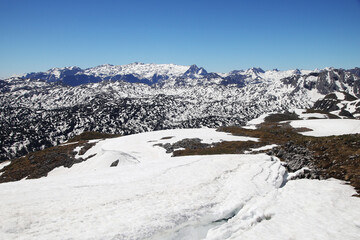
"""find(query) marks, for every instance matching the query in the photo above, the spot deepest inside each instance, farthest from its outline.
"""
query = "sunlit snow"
(152, 195)
(328, 127)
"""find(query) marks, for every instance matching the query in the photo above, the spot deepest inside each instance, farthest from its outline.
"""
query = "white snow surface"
(267, 147)
(328, 127)
(141, 148)
(256, 121)
(155, 196)
(4, 164)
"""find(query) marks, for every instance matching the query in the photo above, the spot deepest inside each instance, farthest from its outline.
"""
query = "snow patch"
(4, 164)
(328, 127)
(256, 121)
(263, 148)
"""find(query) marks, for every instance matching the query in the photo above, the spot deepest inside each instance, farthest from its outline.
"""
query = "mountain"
(152, 74)
(195, 72)
(134, 72)
(41, 110)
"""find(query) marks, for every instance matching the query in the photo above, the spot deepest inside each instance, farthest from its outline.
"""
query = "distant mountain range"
(151, 74)
(43, 109)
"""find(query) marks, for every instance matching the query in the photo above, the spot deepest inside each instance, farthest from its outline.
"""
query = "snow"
(141, 148)
(303, 209)
(302, 114)
(256, 121)
(340, 95)
(156, 196)
(315, 95)
(4, 164)
(263, 148)
(328, 127)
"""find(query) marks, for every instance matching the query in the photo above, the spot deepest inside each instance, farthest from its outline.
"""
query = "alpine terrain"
(162, 151)
(44, 109)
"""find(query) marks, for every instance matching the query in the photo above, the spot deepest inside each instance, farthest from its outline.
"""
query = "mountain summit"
(195, 72)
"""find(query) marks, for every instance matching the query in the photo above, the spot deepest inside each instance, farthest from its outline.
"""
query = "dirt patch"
(233, 147)
(92, 135)
(187, 143)
(278, 117)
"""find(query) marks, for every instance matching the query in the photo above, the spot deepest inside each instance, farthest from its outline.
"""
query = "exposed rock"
(346, 113)
(296, 157)
(326, 104)
(115, 163)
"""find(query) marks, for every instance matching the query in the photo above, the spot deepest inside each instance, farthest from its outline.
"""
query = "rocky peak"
(194, 70)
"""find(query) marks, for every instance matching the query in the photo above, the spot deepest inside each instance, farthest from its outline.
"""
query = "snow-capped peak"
(255, 70)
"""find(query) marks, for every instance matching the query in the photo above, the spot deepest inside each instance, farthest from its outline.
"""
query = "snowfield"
(151, 195)
(328, 127)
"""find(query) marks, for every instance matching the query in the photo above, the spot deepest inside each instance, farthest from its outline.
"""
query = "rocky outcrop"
(296, 157)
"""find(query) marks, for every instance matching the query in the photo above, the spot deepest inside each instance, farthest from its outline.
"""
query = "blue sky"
(220, 36)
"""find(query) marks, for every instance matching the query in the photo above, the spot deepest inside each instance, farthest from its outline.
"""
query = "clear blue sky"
(220, 36)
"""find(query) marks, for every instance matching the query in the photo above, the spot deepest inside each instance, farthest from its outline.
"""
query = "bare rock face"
(115, 163)
(296, 157)
(328, 104)
(347, 106)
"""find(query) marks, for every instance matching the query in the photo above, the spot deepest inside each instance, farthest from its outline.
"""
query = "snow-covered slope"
(150, 195)
(328, 127)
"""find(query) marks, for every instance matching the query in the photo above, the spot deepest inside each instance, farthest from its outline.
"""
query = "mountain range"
(44, 109)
